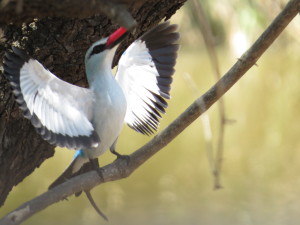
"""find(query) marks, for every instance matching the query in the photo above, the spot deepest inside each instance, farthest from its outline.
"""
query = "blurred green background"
(261, 168)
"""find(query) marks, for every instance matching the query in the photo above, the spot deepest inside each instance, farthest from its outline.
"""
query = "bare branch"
(119, 169)
(205, 29)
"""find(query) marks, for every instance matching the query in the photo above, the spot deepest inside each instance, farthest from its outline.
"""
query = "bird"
(90, 120)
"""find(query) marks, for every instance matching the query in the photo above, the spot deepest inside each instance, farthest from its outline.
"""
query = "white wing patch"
(145, 73)
(60, 112)
(43, 97)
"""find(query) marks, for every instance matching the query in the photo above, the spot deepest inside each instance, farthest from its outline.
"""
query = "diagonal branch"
(119, 169)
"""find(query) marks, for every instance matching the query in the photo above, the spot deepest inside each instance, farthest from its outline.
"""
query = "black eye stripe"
(97, 49)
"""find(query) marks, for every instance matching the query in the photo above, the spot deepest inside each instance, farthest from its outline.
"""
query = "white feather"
(68, 106)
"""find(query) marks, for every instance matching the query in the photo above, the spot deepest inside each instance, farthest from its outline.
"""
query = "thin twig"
(205, 29)
(205, 124)
(120, 169)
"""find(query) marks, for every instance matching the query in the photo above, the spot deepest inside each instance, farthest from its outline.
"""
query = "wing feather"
(60, 112)
(145, 73)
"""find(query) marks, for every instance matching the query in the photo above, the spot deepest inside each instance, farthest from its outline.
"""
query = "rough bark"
(59, 43)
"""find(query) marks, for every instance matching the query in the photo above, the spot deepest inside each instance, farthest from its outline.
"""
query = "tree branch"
(119, 169)
(217, 158)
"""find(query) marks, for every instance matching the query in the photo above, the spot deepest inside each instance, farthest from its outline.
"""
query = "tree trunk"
(59, 43)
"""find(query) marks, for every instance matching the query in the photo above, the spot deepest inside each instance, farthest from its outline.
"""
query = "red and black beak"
(116, 37)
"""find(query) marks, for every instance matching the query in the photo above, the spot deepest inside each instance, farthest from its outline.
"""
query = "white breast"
(109, 112)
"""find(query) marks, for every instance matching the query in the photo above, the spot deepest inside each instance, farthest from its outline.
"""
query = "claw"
(119, 156)
(122, 157)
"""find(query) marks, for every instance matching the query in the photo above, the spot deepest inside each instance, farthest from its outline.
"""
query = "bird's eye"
(97, 49)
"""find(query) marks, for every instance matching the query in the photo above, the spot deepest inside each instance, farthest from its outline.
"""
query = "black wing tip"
(16, 56)
(142, 129)
(163, 34)
(148, 126)
(162, 43)
(165, 25)
(21, 53)
(12, 63)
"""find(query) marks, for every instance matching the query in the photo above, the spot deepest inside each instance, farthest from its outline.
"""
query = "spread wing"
(60, 112)
(145, 73)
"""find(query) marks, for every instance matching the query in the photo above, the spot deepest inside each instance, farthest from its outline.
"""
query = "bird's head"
(101, 53)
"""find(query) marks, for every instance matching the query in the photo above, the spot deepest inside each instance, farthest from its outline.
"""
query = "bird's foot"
(122, 157)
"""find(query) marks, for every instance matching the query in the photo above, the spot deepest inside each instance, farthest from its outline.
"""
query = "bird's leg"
(96, 167)
(119, 156)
